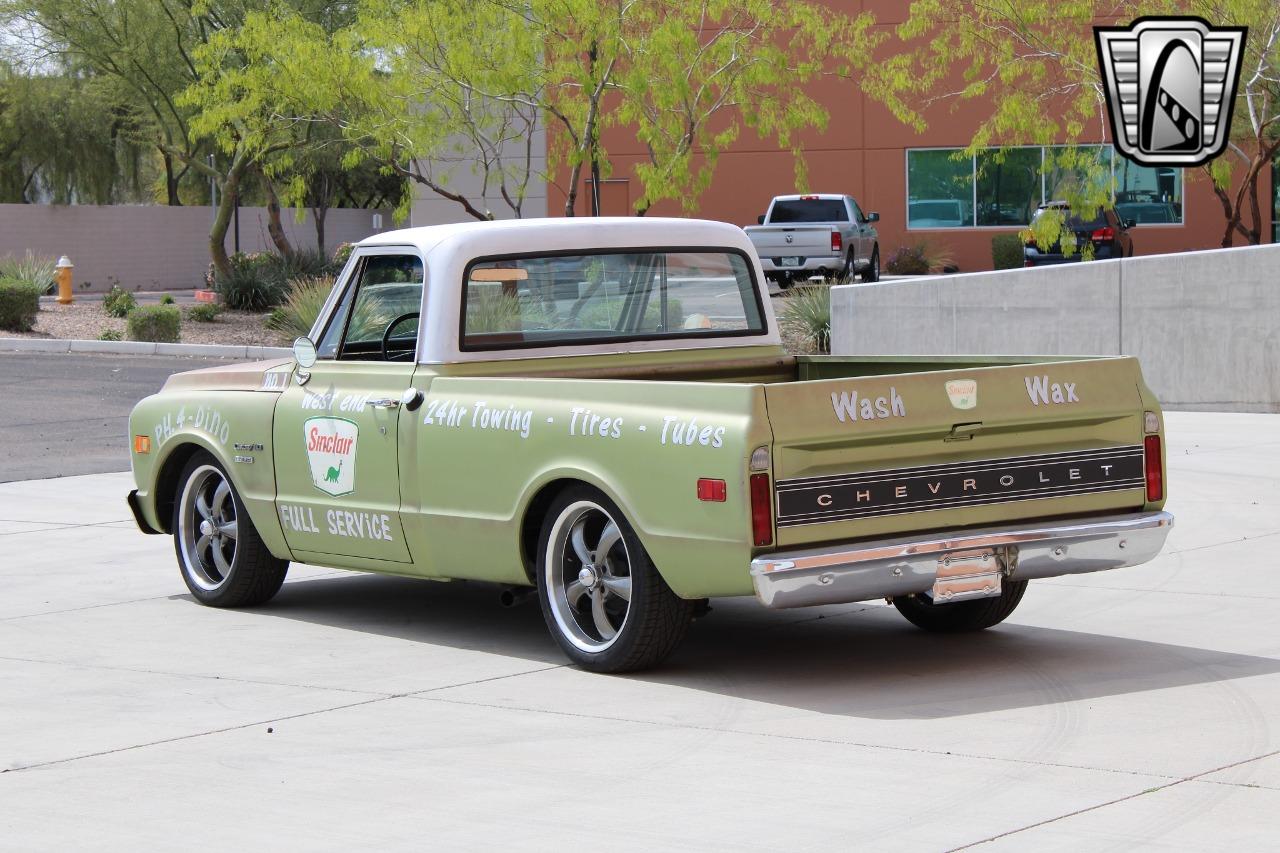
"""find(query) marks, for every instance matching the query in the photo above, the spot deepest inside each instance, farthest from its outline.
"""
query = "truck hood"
(269, 375)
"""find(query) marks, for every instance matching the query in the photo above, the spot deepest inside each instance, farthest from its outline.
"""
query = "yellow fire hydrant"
(64, 268)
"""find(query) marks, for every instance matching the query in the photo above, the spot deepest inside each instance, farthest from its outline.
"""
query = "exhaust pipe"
(513, 596)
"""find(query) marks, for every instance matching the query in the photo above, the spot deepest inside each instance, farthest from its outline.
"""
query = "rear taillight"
(808, 198)
(837, 243)
(761, 511)
(1151, 464)
(1103, 234)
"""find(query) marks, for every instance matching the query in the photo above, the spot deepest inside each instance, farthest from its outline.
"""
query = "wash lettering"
(849, 407)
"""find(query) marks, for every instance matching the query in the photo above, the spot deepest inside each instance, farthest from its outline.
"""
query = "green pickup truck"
(602, 410)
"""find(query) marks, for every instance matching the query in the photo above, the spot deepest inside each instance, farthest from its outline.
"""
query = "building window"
(939, 189)
(1148, 195)
(1002, 188)
(1009, 185)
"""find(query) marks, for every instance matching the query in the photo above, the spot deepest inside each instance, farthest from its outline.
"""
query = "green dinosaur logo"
(331, 476)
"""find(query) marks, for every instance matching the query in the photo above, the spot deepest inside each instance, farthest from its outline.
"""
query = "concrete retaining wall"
(1206, 325)
(152, 247)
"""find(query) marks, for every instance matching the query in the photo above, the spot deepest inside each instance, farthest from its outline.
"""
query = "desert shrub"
(19, 304)
(31, 268)
(204, 312)
(158, 323)
(109, 335)
(1006, 251)
(255, 283)
(340, 257)
(907, 260)
(806, 314)
(923, 256)
(118, 302)
(301, 307)
(166, 299)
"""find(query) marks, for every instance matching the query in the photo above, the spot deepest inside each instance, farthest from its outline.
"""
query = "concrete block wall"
(1206, 325)
(153, 247)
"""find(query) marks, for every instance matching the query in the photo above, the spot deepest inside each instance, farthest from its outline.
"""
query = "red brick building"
(914, 183)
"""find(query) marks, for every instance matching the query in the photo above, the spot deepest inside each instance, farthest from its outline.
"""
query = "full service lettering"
(340, 522)
(850, 407)
(1041, 390)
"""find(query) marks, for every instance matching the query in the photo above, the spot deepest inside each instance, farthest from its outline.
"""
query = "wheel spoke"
(620, 587)
(220, 498)
(574, 592)
(608, 538)
(220, 560)
(202, 507)
(231, 529)
(578, 537)
(598, 614)
(202, 543)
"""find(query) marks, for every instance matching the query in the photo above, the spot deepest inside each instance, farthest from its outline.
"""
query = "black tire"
(872, 272)
(964, 616)
(253, 574)
(652, 622)
(849, 270)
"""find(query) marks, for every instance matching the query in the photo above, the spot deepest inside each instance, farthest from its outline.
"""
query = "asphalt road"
(67, 413)
(1133, 709)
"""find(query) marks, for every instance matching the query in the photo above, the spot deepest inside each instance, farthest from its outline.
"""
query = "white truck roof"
(446, 250)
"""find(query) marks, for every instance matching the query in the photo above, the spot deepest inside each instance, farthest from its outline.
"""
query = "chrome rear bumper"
(890, 567)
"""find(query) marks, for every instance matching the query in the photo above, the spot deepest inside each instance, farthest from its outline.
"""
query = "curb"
(141, 348)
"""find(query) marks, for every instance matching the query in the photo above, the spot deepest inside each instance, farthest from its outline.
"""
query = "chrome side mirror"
(304, 353)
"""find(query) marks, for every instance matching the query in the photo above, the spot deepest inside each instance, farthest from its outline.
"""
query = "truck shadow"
(861, 660)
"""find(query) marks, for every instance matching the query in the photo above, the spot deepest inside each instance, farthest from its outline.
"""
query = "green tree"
(430, 87)
(64, 140)
(1255, 124)
(176, 63)
(1030, 70)
(696, 73)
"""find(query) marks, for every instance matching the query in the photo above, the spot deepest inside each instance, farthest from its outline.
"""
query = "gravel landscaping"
(84, 319)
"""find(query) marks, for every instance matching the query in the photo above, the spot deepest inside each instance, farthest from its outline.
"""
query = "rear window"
(809, 210)
(555, 300)
(1074, 221)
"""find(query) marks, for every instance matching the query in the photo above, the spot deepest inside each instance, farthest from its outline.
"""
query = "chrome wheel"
(588, 576)
(208, 528)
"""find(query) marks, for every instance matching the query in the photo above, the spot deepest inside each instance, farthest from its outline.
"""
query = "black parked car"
(1108, 233)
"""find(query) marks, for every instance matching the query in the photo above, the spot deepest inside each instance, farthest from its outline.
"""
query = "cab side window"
(377, 317)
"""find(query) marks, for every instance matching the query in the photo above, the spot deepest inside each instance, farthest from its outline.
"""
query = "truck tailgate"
(876, 455)
(806, 240)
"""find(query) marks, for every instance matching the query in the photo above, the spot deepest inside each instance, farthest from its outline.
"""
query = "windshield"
(809, 210)
(577, 299)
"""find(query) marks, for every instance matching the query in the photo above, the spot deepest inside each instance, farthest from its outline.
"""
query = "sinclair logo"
(331, 452)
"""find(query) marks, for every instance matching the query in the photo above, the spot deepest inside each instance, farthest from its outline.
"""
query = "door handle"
(385, 403)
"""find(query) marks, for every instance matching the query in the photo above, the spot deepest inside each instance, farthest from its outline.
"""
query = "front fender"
(232, 426)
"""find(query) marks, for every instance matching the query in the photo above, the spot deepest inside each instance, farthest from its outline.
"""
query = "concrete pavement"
(1139, 708)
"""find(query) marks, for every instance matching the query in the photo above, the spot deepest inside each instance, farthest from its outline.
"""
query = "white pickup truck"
(825, 235)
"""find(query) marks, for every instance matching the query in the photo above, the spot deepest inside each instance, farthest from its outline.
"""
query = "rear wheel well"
(166, 489)
(531, 524)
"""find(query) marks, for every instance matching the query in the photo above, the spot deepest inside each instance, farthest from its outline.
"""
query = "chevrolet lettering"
(602, 412)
